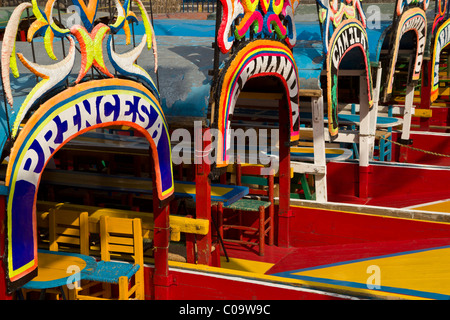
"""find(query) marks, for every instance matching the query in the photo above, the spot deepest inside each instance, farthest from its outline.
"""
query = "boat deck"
(441, 206)
(416, 269)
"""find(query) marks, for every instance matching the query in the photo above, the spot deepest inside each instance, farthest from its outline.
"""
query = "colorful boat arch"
(348, 36)
(259, 58)
(441, 40)
(412, 20)
(90, 105)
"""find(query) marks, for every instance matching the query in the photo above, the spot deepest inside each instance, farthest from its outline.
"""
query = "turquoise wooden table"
(349, 119)
(246, 114)
(57, 269)
(227, 194)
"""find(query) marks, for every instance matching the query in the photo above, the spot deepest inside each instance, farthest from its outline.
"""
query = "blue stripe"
(424, 294)
(357, 285)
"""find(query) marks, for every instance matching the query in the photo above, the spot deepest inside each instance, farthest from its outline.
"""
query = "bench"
(178, 224)
(97, 181)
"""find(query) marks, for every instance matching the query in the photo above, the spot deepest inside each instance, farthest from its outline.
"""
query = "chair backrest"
(122, 236)
(259, 179)
(68, 228)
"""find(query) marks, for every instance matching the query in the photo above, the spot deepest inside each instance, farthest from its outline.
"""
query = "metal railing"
(199, 6)
(158, 6)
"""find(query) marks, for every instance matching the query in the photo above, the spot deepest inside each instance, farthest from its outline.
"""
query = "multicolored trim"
(8, 56)
(440, 14)
(441, 40)
(334, 13)
(401, 4)
(264, 17)
(349, 35)
(87, 13)
(256, 59)
(412, 20)
(51, 76)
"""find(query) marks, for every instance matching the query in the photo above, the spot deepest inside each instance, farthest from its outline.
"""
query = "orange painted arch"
(90, 105)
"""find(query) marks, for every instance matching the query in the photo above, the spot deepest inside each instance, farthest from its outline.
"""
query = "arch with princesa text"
(87, 106)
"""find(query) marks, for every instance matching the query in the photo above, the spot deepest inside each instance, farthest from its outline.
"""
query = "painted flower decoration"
(263, 17)
(335, 12)
(90, 37)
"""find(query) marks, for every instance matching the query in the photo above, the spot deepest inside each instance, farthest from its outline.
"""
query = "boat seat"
(260, 200)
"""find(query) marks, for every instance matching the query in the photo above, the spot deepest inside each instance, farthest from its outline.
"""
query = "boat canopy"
(186, 56)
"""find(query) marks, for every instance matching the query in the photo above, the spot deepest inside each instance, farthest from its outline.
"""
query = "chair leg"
(261, 230)
(63, 294)
(123, 288)
(106, 287)
(271, 231)
(239, 212)
(219, 226)
(190, 248)
(73, 294)
(382, 149)
(389, 151)
(20, 295)
(220, 218)
(42, 294)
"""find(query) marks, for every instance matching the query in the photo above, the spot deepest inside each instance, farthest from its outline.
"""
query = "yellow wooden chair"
(120, 238)
(68, 231)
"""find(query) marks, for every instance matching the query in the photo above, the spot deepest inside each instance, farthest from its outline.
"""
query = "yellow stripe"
(13, 273)
(425, 271)
(441, 206)
(251, 275)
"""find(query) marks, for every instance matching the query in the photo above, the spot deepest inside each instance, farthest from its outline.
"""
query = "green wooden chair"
(300, 188)
(260, 200)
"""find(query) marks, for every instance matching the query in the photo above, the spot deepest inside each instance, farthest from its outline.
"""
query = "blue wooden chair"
(353, 146)
(384, 140)
(384, 145)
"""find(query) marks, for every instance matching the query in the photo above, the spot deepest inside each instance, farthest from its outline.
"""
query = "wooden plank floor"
(442, 206)
(413, 269)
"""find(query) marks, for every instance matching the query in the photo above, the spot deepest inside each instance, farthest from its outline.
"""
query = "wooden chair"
(260, 198)
(300, 187)
(120, 238)
(68, 231)
(383, 141)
